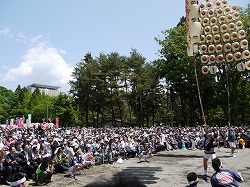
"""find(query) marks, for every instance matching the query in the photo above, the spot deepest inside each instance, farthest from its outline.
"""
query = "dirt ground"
(167, 168)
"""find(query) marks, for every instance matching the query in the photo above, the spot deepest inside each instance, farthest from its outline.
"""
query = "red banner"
(57, 123)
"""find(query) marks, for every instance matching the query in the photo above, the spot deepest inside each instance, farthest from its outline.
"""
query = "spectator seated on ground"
(5, 170)
(60, 161)
(76, 163)
(44, 171)
(12, 159)
(146, 153)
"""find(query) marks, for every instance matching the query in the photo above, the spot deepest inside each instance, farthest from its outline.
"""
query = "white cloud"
(42, 65)
(6, 32)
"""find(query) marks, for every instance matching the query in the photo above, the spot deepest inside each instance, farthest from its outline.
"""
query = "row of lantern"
(237, 56)
(216, 4)
(224, 29)
(217, 38)
(220, 12)
(222, 20)
(241, 66)
(227, 47)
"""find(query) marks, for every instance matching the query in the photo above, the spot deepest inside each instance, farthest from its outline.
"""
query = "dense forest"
(131, 90)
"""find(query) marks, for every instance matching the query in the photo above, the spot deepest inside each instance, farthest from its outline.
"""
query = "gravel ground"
(167, 168)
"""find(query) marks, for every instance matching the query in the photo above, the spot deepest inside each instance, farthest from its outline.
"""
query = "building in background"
(45, 89)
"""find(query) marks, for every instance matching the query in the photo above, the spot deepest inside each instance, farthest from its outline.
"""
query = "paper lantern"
(216, 38)
(207, 30)
(237, 56)
(234, 36)
(236, 16)
(247, 65)
(203, 48)
(213, 21)
(209, 5)
(204, 59)
(211, 49)
(231, 26)
(213, 69)
(217, 4)
(215, 29)
(194, 12)
(223, 28)
(222, 19)
(218, 48)
(229, 18)
(227, 47)
(246, 54)
(209, 38)
(202, 38)
(226, 37)
(241, 66)
(242, 34)
(219, 58)
(205, 69)
(219, 12)
(212, 59)
(227, 10)
(195, 31)
(229, 57)
(205, 21)
(224, 3)
(202, 6)
(244, 44)
(210, 13)
(203, 13)
(238, 25)
(233, 7)
(235, 46)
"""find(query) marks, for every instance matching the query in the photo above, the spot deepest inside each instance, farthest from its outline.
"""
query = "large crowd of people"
(39, 153)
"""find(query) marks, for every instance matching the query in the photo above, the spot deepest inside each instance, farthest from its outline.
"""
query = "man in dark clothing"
(224, 177)
(12, 159)
(25, 161)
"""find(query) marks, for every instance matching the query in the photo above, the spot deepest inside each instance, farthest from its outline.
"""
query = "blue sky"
(42, 40)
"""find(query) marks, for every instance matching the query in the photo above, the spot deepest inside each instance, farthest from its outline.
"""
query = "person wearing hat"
(224, 177)
(18, 180)
(60, 159)
(76, 163)
(44, 171)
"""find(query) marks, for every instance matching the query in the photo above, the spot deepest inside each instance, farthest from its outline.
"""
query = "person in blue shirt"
(224, 177)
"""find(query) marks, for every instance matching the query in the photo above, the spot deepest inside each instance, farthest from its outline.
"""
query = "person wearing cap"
(192, 179)
(224, 177)
(209, 144)
(18, 180)
(44, 171)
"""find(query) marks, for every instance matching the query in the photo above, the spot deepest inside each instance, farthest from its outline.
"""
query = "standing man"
(231, 141)
(209, 144)
(224, 177)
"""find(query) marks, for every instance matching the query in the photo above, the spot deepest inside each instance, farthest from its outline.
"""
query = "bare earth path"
(167, 168)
